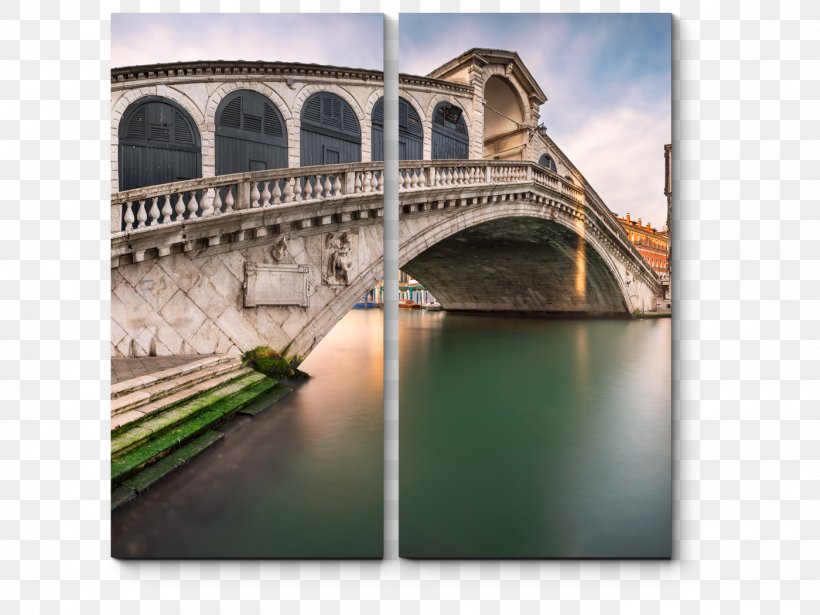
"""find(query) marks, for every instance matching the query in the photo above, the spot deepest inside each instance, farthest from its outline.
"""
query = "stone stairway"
(161, 420)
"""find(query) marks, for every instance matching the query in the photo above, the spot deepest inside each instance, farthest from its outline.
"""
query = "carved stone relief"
(279, 249)
(338, 258)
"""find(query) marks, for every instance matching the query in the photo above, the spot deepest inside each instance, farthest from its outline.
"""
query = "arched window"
(330, 131)
(450, 138)
(158, 143)
(547, 162)
(250, 134)
(410, 131)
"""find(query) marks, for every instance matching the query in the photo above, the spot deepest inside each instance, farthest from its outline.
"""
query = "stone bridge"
(277, 257)
(249, 199)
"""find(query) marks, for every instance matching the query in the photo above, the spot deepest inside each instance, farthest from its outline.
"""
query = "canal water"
(534, 438)
(302, 479)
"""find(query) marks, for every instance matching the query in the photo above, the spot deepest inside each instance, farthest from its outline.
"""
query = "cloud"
(356, 40)
(607, 78)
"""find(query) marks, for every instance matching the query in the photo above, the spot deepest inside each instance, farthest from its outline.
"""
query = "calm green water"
(302, 479)
(534, 438)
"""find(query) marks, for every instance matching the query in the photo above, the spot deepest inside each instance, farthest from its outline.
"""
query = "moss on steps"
(140, 432)
(209, 414)
(151, 474)
(263, 402)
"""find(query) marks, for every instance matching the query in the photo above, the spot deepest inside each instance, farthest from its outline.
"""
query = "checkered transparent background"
(747, 332)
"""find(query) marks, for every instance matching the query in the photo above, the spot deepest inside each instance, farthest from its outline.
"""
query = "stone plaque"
(276, 284)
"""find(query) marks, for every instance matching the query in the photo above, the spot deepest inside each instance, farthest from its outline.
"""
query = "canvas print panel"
(535, 347)
(246, 255)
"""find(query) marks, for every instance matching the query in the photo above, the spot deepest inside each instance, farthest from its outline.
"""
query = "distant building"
(652, 244)
(667, 190)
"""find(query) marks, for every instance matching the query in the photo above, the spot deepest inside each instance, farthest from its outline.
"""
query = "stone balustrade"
(189, 201)
(213, 196)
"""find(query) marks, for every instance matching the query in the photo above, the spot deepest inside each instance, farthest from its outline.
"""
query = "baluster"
(193, 206)
(217, 201)
(207, 203)
(366, 182)
(373, 182)
(414, 182)
(308, 193)
(229, 200)
(180, 208)
(287, 195)
(128, 216)
(403, 179)
(358, 184)
(142, 216)
(380, 185)
(337, 185)
(328, 187)
(436, 177)
(254, 194)
(265, 194)
(449, 179)
(420, 182)
(154, 213)
(277, 193)
(166, 209)
(297, 189)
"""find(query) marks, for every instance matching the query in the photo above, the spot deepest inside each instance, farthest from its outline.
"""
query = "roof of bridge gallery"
(487, 56)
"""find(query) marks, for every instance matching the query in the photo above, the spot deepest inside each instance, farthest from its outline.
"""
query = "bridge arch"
(158, 143)
(505, 135)
(250, 133)
(450, 135)
(463, 259)
(411, 132)
(547, 162)
(297, 110)
(215, 99)
(130, 97)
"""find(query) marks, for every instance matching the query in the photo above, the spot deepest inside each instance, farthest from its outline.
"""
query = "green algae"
(125, 465)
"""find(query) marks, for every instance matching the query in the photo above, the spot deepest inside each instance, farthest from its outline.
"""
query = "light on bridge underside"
(581, 263)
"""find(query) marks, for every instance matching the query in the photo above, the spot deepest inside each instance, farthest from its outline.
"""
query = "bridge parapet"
(223, 194)
(200, 212)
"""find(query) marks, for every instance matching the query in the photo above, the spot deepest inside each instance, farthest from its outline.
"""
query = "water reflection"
(303, 479)
(534, 438)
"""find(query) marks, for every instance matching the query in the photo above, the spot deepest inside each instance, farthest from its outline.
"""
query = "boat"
(432, 306)
(365, 305)
(407, 304)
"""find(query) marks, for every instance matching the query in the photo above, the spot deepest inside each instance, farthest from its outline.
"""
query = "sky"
(350, 40)
(607, 77)
(608, 80)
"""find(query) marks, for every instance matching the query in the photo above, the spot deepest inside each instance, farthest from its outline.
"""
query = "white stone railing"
(213, 196)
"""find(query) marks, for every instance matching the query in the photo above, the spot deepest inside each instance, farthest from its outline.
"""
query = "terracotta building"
(651, 243)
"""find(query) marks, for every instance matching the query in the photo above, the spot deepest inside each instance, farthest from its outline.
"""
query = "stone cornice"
(439, 84)
(203, 70)
(483, 56)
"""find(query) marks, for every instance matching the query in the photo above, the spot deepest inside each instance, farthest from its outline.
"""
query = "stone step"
(145, 422)
(168, 386)
(130, 418)
(135, 458)
(135, 384)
